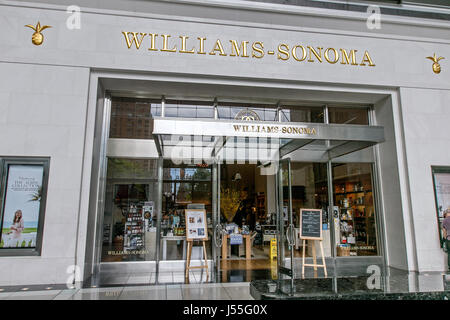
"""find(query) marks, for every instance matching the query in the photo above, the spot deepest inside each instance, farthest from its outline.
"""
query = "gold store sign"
(274, 129)
(245, 49)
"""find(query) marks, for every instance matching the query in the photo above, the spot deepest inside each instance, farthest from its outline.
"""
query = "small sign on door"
(273, 248)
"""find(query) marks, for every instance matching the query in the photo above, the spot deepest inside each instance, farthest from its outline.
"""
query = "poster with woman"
(22, 205)
(441, 178)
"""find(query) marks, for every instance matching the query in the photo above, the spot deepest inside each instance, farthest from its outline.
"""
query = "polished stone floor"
(235, 285)
(205, 291)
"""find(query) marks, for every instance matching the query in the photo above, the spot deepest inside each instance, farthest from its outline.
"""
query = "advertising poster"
(442, 193)
(196, 224)
(442, 189)
(22, 206)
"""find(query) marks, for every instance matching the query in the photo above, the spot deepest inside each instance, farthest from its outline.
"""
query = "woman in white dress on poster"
(15, 235)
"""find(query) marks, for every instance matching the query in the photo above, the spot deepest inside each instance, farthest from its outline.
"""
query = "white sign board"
(196, 227)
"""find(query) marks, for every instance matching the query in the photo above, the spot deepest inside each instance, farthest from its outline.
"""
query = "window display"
(185, 187)
(354, 211)
(129, 224)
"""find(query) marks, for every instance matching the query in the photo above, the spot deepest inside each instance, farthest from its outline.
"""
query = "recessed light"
(48, 288)
(25, 289)
(1, 290)
(94, 287)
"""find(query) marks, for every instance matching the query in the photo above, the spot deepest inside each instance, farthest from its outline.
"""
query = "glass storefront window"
(184, 186)
(129, 230)
(302, 114)
(131, 118)
(129, 224)
(354, 211)
(132, 169)
(250, 112)
(348, 115)
(189, 109)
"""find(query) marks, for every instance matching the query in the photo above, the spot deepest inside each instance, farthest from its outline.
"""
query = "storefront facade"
(139, 114)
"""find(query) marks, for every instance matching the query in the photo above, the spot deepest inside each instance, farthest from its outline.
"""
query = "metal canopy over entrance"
(207, 139)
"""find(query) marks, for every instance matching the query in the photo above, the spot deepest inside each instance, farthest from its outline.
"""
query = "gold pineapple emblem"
(436, 65)
(37, 37)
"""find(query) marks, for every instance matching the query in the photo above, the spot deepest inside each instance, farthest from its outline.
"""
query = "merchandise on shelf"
(134, 232)
(356, 218)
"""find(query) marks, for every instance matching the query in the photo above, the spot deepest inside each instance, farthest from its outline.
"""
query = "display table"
(172, 238)
(248, 246)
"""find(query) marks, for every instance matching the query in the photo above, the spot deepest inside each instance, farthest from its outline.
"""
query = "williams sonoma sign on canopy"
(243, 49)
(275, 129)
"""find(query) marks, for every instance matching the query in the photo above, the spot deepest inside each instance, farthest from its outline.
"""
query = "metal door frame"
(216, 243)
(283, 235)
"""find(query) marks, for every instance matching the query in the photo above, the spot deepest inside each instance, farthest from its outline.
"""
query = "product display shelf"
(356, 210)
(134, 233)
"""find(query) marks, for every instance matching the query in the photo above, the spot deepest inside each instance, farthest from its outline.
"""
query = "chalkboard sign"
(311, 224)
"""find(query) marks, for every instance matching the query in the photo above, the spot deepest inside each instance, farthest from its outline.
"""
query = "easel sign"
(196, 229)
(311, 229)
(311, 224)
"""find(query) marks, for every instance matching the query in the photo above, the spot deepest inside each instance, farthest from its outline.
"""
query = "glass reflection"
(302, 114)
(348, 115)
(131, 118)
(189, 109)
(247, 112)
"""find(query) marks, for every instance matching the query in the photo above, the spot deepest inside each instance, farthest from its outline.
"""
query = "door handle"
(290, 235)
(218, 235)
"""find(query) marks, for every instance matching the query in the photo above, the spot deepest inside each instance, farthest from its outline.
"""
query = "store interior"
(248, 215)
(247, 210)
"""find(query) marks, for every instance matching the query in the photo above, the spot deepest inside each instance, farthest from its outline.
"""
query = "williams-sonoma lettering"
(245, 49)
(274, 129)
